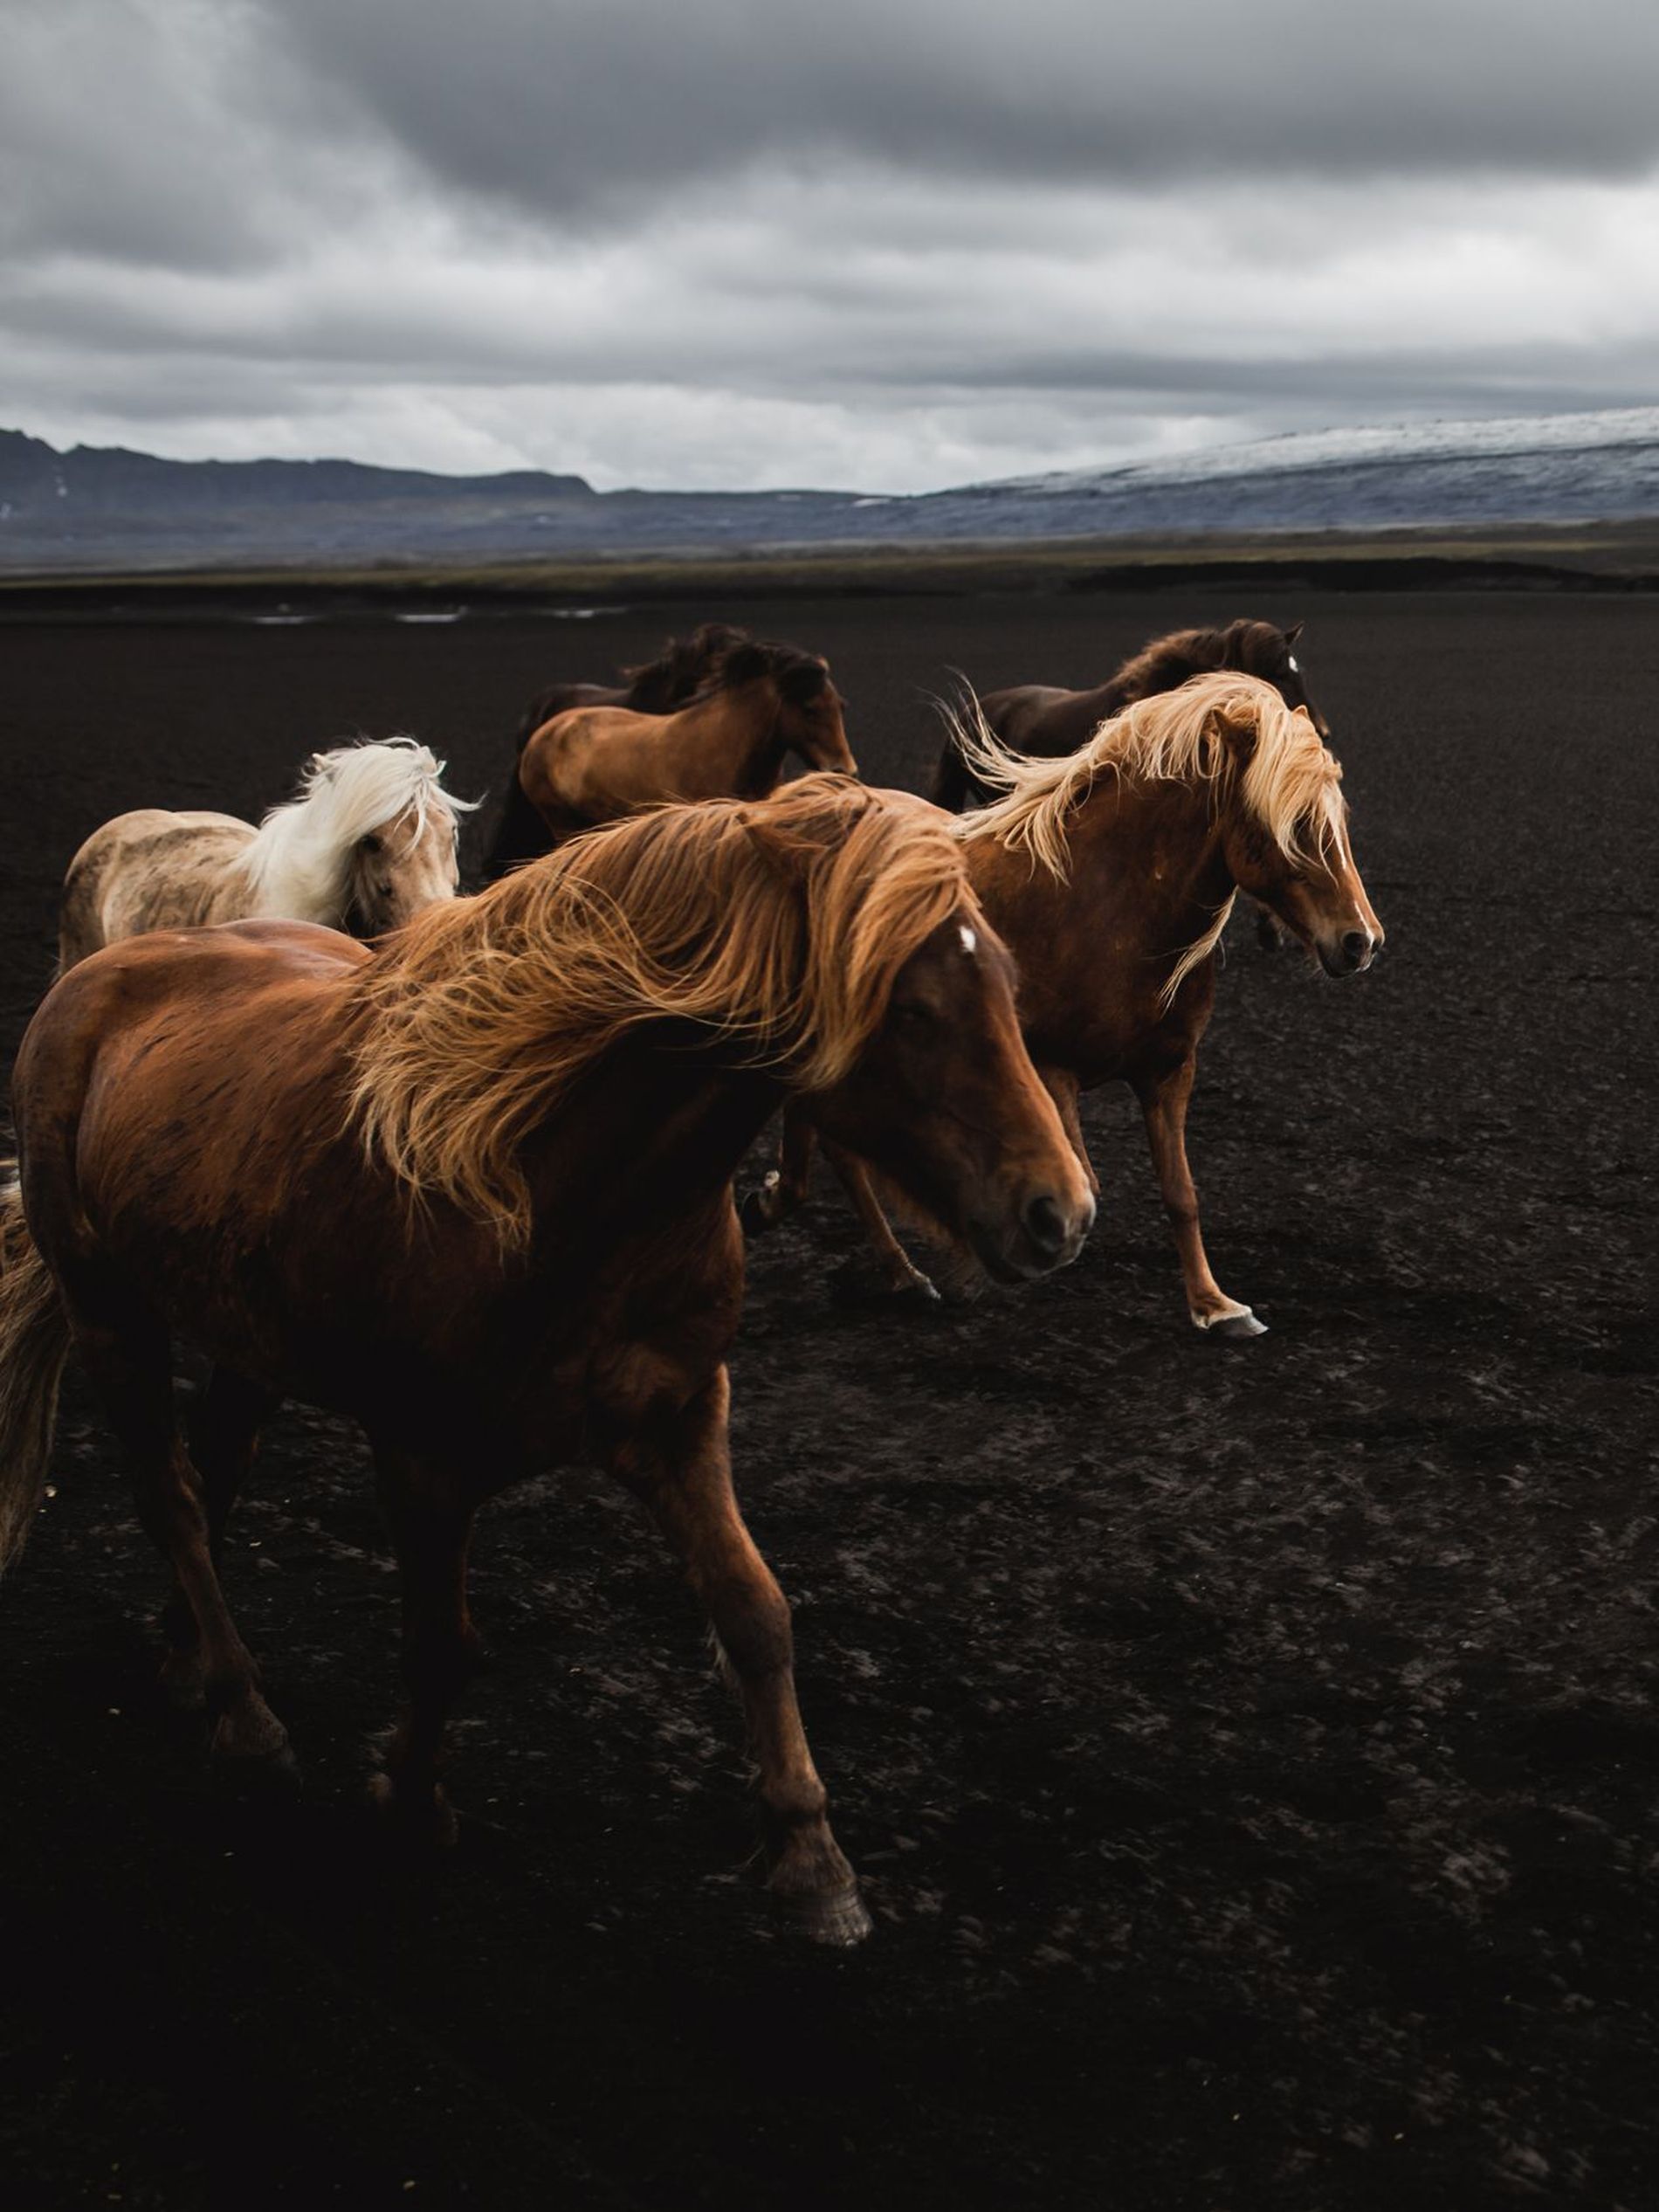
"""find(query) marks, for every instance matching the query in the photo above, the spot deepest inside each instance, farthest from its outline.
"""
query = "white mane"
(299, 865)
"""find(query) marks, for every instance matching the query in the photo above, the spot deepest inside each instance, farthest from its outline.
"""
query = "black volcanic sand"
(1251, 1752)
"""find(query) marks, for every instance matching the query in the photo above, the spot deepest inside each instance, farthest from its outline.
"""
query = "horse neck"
(730, 740)
(1148, 876)
(649, 1138)
(1160, 846)
(293, 871)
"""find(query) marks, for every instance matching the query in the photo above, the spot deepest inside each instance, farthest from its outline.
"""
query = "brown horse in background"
(474, 1189)
(1109, 873)
(1042, 720)
(593, 764)
(683, 668)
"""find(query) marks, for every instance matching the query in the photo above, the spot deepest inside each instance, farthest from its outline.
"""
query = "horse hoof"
(256, 1773)
(752, 1217)
(1235, 1326)
(429, 1824)
(834, 1918)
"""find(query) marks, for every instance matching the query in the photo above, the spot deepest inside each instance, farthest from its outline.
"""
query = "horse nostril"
(1355, 946)
(1045, 1225)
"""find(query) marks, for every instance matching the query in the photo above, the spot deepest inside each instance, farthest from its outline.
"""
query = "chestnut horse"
(474, 1189)
(1042, 719)
(593, 764)
(1109, 873)
(368, 842)
(680, 670)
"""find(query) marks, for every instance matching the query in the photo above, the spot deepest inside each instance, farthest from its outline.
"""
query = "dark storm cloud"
(885, 247)
(595, 105)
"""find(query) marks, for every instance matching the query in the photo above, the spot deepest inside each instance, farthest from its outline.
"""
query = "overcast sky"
(886, 244)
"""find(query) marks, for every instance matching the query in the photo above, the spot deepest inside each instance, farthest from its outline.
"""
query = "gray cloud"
(596, 105)
(888, 248)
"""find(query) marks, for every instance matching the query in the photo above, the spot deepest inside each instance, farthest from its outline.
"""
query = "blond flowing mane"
(299, 864)
(776, 930)
(1289, 783)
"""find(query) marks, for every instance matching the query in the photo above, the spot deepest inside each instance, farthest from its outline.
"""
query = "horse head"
(1285, 833)
(941, 1096)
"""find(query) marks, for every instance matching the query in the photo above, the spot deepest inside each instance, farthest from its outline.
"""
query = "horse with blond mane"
(1111, 872)
(593, 764)
(474, 1188)
(370, 840)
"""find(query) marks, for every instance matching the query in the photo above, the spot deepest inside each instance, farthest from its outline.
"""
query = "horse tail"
(954, 782)
(34, 1343)
(520, 835)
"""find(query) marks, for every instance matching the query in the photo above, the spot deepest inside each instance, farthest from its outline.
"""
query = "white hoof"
(1238, 1321)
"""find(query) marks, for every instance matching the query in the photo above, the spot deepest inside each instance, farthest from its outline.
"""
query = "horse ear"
(805, 681)
(743, 663)
(1294, 632)
(1237, 731)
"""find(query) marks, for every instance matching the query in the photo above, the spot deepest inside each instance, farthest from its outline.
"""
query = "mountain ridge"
(92, 507)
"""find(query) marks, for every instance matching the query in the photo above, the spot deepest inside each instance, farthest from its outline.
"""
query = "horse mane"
(775, 929)
(683, 668)
(299, 865)
(1252, 647)
(1288, 783)
(796, 671)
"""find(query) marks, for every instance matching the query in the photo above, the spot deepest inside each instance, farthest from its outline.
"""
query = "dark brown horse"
(1040, 720)
(1109, 873)
(593, 764)
(680, 671)
(474, 1188)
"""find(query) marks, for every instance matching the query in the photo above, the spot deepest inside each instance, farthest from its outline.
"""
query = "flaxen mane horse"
(1039, 719)
(474, 1188)
(593, 764)
(1109, 873)
(680, 670)
(368, 842)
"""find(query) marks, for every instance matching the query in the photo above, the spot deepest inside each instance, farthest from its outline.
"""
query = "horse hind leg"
(684, 1478)
(783, 1190)
(223, 1438)
(127, 1355)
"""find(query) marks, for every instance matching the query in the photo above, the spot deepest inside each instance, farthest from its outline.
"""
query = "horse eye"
(370, 843)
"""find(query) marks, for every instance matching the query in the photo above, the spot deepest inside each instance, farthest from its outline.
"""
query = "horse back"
(148, 1063)
(600, 762)
(148, 870)
(1043, 718)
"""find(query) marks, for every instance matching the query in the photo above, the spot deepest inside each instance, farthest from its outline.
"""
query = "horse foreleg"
(1163, 1101)
(127, 1354)
(683, 1474)
(1062, 1086)
(430, 1519)
(783, 1190)
(901, 1275)
(225, 1435)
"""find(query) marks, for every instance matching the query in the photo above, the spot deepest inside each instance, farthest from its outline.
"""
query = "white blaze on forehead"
(970, 937)
(1293, 664)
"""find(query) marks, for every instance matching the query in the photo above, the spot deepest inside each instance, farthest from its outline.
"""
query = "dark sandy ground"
(1251, 1751)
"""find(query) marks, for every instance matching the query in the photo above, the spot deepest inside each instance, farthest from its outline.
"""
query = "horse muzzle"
(1046, 1231)
(1349, 953)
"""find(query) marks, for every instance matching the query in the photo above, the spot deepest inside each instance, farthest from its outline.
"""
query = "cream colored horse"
(370, 840)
